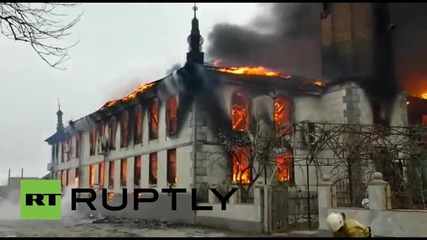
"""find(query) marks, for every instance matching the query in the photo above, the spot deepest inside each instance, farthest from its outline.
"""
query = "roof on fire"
(299, 85)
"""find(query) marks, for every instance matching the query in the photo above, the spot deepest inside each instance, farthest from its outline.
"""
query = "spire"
(195, 41)
(59, 124)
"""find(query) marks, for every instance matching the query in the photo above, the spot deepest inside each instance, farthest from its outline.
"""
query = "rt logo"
(40, 199)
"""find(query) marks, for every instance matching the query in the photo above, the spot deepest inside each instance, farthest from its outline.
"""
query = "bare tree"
(255, 153)
(39, 24)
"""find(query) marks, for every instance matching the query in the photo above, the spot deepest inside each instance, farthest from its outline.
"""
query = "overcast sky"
(121, 46)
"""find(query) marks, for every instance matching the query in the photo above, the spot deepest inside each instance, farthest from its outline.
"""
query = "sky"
(122, 45)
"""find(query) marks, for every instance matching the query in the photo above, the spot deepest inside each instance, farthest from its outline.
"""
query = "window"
(111, 175)
(138, 125)
(92, 142)
(100, 133)
(153, 169)
(123, 172)
(101, 169)
(154, 120)
(285, 166)
(424, 120)
(241, 166)
(240, 112)
(124, 130)
(91, 175)
(172, 116)
(68, 149)
(53, 153)
(61, 173)
(76, 177)
(67, 177)
(78, 145)
(137, 171)
(171, 166)
(112, 127)
(56, 152)
(62, 151)
(282, 116)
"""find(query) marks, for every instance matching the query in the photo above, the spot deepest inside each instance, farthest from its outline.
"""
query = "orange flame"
(424, 96)
(241, 165)
(260, 71)
(319, 82)
(130, 96)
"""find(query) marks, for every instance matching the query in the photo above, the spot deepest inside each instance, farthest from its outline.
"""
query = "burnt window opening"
(137, 171)
(92, 142)
(282, 116)
(77, 173)
(154, 120)
(241, 166)
(61, 177)
(424, 120)
(138, 125)
(171, 167)
(172, 116)
(326, 9)
(62, 151)
(101, 171)
(240, 112)
(285, 166)
(112, 127)
(53, 153)
(123, 172)
(67, 177)
(153, 169)
(111, 174)
(78, 145)
(56, 152)
(91, 175)
(101, 130)
(124, 130)
(68, 149)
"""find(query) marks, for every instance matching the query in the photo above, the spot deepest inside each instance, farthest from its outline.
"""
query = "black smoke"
(174, 67)
(285, 37)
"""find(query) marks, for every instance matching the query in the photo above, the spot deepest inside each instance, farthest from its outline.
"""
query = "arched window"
(285, 166)
(282, 116)
(154, 120)
(124, 129)
(241, 166)
(137, 138)
(112, 126)
(240, 111)
(92, 142)
(172, 116)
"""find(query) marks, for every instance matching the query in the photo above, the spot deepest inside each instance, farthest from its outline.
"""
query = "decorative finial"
(59, 105)
(195, 8)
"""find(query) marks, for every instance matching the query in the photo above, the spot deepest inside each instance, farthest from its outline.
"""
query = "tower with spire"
(195, 41)
(59, 123)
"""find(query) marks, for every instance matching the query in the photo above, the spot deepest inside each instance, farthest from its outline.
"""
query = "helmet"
(335, 221)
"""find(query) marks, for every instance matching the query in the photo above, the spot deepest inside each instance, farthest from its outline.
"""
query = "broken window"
(101, 169)
(424, 120)
(78, 145)
(112, 132)
(154, 120)
(241, 166)
(92, 142)
(240, 112)
(285, 166)
(138, 125)
(124, 130)
(282, 116)
(67, 177)
(100, 134)
(111, 174)
(171, 166)
(123, 172)
(153, 169)
(62, 151)
(172, 116)
(91, 175)
(137, 171)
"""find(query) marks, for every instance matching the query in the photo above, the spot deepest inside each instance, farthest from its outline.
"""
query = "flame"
(130, 96)
(260, 71)
(241, 165)
(283, 164)
(281, 115)
(424, 96)
(239, 116)
(319, 83)
(407, 103)
(76, 182)
(110, 196)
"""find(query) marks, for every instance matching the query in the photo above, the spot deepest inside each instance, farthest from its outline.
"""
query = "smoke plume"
(286, 38)
(176, 66)
(122, 86)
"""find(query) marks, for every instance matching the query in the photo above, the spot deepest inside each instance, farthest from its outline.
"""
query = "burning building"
(166, 133)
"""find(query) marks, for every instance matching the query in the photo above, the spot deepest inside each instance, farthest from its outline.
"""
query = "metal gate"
(278, 209)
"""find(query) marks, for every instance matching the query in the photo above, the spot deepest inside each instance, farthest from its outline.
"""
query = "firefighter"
(346, 227)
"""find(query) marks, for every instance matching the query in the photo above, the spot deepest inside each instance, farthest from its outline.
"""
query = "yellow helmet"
(335, 221)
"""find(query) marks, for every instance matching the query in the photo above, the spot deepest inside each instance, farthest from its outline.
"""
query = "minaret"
(195, 41)
(59, 124)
